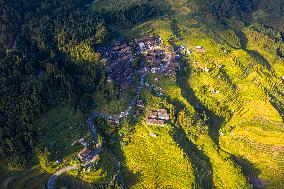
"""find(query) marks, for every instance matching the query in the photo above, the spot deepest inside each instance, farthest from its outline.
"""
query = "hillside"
(142, 94)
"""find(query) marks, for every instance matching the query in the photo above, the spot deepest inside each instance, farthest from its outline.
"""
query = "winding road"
(51, 184)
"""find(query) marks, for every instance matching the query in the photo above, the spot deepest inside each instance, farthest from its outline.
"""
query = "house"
(126, 50)
(142, 46)
(109, 80)
(141, 39)
(152, 121)
(158, 117)
(188, 51)
(153, 114)
(83, 142)
(127, 72)
(116, 48)
(125, 85)
(140, 103)
(152, 135)
(114, 66)
(163, 114)
(200, 49)
(85, 154)
(207, 70)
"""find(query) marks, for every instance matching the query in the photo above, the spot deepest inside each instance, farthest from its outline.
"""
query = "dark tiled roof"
(83, 154)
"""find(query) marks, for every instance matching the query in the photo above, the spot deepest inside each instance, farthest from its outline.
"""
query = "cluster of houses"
(147, 43)
(160, 62)
(158, 117)
(119, 64)
(120, 56)
(140, 105)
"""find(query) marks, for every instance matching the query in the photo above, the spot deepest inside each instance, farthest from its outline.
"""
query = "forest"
(48, 60)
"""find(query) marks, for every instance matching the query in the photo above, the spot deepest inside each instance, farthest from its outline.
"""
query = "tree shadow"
(201, 164)
(276, 104)
(32, 178)
(111, 141)
(253, 53)
(72, 182)
(215, 122)
(249, 170)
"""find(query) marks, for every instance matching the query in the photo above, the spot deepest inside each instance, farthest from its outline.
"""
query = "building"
(120, 71)
(140, 103)
(152, 121)
(85, 154)
(153, 114)
(163, 114)
(158, 117)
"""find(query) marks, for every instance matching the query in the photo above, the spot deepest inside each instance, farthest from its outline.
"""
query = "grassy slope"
(248, 101)
(58, 129)
(67, 126)
(159, 161)
(33, 179)
(225, 173)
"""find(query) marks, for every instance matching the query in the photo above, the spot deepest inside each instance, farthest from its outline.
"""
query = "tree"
(43, 158)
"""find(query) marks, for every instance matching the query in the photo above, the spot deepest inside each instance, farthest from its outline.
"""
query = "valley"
(151, 94)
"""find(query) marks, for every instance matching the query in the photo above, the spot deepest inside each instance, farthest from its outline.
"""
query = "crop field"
(243, 79)
(158, 161)
(226, 107)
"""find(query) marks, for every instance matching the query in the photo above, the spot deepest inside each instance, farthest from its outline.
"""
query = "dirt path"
(8, 180)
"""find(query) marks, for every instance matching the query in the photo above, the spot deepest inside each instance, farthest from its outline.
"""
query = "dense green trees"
(47, 59)
(134, 13)
(220, 10)
(52, 64)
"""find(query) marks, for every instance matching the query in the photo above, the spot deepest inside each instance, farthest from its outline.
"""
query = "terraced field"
(159, 161)
(242, 136)
(226, 107)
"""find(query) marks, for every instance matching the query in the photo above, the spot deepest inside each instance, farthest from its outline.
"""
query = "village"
(155, 59)
(121, 60)
(120, 70)
(125, 62)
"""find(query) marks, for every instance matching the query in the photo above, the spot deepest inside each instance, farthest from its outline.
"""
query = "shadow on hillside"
(249, 170)
(126, 179)
(215, 122)
(72, 182)
(31, 178)
(201, 164)
(277, 105)
(253, 53)
(111, 141)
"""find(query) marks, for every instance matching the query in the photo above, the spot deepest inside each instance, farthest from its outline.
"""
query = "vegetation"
(226, 101)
